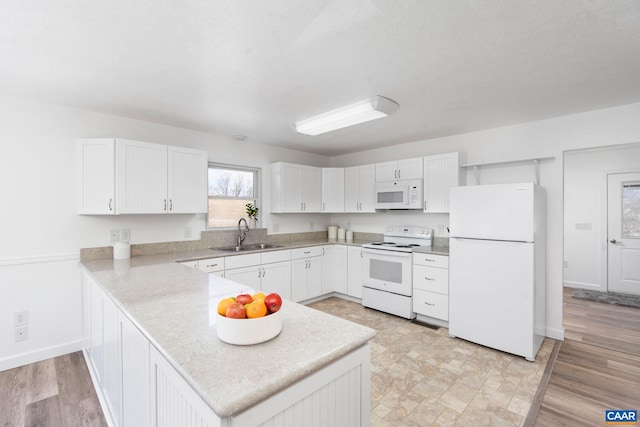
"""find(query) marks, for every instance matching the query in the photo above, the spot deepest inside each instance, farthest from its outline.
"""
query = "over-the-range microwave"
(401, 194)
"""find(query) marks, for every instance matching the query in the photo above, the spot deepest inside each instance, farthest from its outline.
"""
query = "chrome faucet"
(242, 233)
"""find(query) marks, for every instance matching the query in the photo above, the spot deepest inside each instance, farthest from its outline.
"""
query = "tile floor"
(422, 377)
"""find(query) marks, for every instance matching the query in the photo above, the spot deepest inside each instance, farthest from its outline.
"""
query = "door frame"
(604, 226)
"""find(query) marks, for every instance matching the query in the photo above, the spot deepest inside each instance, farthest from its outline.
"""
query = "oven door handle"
(383, 252)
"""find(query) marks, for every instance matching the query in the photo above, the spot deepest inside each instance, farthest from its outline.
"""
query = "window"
(230, 189)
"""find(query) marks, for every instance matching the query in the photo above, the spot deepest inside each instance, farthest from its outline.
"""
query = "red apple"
(244, 299)
(273, 302)
(236, 311)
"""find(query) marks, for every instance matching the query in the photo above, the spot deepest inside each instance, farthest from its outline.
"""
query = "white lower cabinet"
(354, 277)
(306, 273)
(341, 269)
(249, 276)
(276, 277)
(328, 268)
(431, 286)
(138, 387)
(267, 271)
(135, 374)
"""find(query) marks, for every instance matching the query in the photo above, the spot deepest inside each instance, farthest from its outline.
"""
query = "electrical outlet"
(440, 230)
(21, 334)
(20, 318)
(125, 234)
(114, 235)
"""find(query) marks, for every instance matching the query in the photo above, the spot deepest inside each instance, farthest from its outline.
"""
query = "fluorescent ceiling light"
(360, 112)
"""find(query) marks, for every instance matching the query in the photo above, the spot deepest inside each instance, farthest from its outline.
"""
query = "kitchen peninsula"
(148, 320)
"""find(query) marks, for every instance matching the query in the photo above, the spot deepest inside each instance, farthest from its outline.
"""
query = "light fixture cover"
(359, 112)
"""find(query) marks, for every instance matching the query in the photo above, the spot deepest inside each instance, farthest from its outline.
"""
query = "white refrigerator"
(497, 266)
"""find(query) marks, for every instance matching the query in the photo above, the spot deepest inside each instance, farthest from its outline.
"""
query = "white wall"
(42, 234)
(612, 126)
(585, 250)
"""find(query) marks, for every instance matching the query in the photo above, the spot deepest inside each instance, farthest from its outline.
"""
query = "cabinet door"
(299, 279)
(332, 189)
(367, 188)
(327, 269)
(311, 195)
(112, 375)
(410, 168)
(355, 271)
(96, 176)
(291, 188)
(352, 189)
(86, 312)
(249, 276)
(136, 410)
(387, 171)
(187, 180)
(441, 173)
(141, 177)
(97, 336)
(276, 277)
(314, 277)
(341, 269)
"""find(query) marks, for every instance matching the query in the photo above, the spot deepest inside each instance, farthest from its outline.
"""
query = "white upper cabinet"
(187, 180)
(333, 189)
(399, 169)
(141, 177)
(359, 183)
(295, 188)
(441, 172)
(96, 160)
(118, 176)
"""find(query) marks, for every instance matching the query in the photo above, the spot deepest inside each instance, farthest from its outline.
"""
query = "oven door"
(388, 271)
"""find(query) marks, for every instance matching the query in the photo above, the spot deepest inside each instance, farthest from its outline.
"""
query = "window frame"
(257, 191)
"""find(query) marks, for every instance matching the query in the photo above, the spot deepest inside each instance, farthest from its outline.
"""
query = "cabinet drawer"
(239, 261)
(431, 279)
(431, 260)
(431, 304)
(211, 265)
(190, 264)
(306, 252)
(275, 256)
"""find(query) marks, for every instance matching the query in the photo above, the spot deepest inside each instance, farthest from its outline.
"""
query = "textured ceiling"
(254, 68)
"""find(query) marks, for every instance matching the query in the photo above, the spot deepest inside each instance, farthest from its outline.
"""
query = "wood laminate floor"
(598, 365)
(52, 393)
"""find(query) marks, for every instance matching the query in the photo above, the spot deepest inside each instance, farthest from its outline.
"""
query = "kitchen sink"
(251, 247)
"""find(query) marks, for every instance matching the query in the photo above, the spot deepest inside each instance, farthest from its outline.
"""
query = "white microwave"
(402, 194)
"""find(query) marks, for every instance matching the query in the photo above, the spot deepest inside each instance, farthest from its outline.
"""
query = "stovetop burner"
(404, 238)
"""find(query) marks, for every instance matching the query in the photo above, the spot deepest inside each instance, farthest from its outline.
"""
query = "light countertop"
(175, 307)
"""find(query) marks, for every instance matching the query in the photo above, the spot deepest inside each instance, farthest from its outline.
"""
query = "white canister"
(121, 250)
(333, 232)
(349, 236)
(341, 234)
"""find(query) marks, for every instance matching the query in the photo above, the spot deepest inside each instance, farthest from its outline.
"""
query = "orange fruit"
(258, 296)
(256, 309)
(223, 305)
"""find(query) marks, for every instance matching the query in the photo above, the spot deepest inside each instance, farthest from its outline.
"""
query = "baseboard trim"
(581, 285)
(39, 355)
(5, 262)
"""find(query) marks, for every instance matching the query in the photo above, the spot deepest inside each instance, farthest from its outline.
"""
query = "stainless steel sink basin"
(251, 247)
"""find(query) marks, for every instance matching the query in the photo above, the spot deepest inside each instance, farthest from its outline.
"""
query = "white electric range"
(386, 269)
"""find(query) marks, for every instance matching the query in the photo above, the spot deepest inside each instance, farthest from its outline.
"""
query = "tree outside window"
(230, 189)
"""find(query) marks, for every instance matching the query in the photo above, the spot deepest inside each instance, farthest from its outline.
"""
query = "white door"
(276, 277)
(135, 375)
(354, 275)
(341, 268)
(249, 276)
(410, 168)
(332, 189)
(311, 194)
(328, 268)
(387, 171)
(623, 232)
(314, 277)
(367, 188)
(352, 189)
(299, 269)
(96, 176)
(187, 180)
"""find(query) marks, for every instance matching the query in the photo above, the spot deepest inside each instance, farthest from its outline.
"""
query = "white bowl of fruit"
(249, 319)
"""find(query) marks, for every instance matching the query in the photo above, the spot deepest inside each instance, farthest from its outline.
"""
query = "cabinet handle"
(425, 205)
(170, 204)
(398, 173)
(322, 251)
(110, 208)
(259, 273)
(165, 204)
(305, 205)
(429, 304)
(212, 265)
(264, 272)
(429, 278)
(430, 260)
(323, 208)
(307, 252)
(300, 205)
